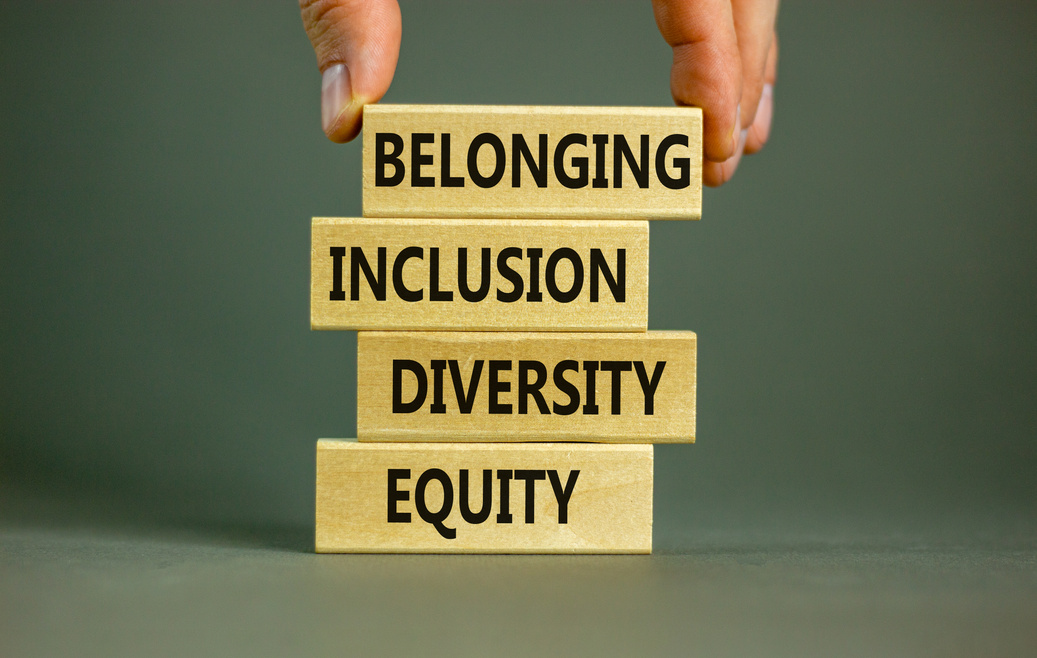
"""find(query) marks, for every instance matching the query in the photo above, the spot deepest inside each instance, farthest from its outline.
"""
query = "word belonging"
(570, 161)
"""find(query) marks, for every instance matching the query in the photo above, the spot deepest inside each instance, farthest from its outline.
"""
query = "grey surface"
(93, 593)
(864, 292)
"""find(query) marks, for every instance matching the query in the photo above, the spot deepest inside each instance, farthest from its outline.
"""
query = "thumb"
(357, 44)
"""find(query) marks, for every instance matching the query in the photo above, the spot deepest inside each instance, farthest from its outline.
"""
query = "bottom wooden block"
(483, 498)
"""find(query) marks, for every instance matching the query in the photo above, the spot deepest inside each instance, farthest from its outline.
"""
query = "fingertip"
(720, 137)
(712, 174)
(346, 125)
(715, 174)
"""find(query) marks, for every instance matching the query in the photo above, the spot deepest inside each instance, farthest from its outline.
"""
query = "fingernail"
(728, 167)
(736, 128)
(765, 112)
(335, 94)
(731, 165)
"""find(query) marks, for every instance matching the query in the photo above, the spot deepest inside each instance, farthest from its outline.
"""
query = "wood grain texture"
(411, 170)
(607, 259)
(460, 386)
(561, 498)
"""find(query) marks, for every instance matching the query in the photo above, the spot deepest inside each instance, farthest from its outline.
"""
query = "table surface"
(93, 588)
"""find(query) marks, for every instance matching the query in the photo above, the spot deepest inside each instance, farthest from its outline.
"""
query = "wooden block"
(458, 386)
(483, 498)
(527, 161)
(518, 274)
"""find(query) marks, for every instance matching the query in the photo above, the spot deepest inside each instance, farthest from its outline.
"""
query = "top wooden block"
(480, 161)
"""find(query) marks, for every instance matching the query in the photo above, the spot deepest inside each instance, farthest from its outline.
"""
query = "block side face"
(693, 385)
(596, 163)
(592, 499)
(495, 386)
(412, 274)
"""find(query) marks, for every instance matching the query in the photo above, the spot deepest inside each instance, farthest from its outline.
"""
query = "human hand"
(725, 60)
(725, 55)
(357, 44)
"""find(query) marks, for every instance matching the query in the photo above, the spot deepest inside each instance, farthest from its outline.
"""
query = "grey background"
(864, 294)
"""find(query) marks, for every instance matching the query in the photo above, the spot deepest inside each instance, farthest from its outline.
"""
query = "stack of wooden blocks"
(509, 391)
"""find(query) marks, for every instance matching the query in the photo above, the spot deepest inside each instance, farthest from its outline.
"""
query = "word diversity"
(508, 390)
